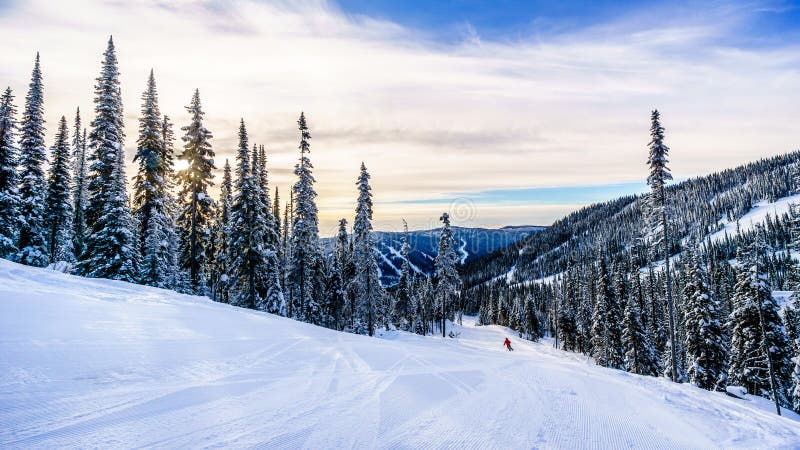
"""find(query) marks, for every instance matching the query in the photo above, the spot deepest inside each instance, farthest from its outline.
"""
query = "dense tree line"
(73, 211)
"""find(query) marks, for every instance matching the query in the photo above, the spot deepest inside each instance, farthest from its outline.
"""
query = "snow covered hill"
(105, 364)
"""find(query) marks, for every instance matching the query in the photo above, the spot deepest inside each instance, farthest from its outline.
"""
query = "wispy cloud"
(428, 117)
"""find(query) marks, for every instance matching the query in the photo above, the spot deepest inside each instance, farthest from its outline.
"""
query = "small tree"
(705, 341)
(448, 282)
(366, 284)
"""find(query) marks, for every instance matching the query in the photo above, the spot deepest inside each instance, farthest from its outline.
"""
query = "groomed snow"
(104, 364)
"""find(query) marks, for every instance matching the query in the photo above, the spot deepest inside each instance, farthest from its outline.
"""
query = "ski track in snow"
(104, 364)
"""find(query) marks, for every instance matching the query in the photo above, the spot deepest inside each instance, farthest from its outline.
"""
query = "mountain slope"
(697, 207)
(98, 363)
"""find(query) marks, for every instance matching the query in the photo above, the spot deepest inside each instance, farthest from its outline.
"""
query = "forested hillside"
(596, 280)
(700, 206)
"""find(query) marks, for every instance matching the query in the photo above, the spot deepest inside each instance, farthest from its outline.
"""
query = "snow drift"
(105, 364)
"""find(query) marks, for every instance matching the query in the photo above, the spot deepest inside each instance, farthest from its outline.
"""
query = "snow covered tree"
(796, 383)
(791, 320)
(222, 238)
(58, 204)
(342, 253)
(335, 295)
(281, 243)
(448, 282)
(640, 356)
(531, 321)
(585, 313)
(197, 208)
(10, 201)
(151, 200)
(402, 302)
(32, 240)
(110, 244)
(606, 323)
(565, 320)
(705, 342)
(272, 298)
(366, 284)
(759, 354)
(248, 263)
(659, 176)
(79, 190)
(304, 250)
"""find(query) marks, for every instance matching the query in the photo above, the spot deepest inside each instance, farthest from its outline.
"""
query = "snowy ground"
(102, 364)
(757, 215)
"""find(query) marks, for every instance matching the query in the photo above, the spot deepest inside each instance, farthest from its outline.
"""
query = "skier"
(507, 343)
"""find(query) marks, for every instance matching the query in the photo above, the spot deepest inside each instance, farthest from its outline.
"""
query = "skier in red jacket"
(507, 343)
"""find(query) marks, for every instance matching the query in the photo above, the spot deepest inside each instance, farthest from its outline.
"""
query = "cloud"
(429, 118)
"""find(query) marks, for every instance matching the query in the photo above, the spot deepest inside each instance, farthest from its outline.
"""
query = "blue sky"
(450, 20)
(764, 21)
(525, 110)
(543, 195)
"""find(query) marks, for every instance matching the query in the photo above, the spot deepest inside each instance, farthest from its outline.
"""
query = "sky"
(502, 112)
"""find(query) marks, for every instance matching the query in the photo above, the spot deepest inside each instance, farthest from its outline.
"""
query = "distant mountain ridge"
(471, 243)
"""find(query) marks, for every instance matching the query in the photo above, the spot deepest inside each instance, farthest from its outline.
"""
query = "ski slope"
(104, 364)
(757, 215)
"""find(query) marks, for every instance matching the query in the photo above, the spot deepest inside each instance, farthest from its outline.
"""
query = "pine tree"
(586, 312)
(172, 249)
(531, 321)
(335, 295)
(197, 208)
(705, 343)
(402, 305)
(791, 320)
(32, 240)
(606, 333)
(640, 357)
(344, 263)
(659, 176)
(58, 204)
(151, 194)
(110, 244)
(759, 354)
(281, 244)
(448, 282)
(248, 264)
(796, 382)
(367, 287)
(272, 298)
(566, 324)
(79, 192)
(222, 236)
(305, 251)
(10, 202)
